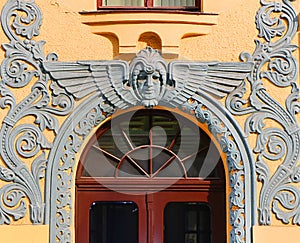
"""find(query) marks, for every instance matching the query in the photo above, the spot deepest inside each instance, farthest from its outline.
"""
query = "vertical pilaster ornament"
(236, 168)
(22, 141)
(274, 64)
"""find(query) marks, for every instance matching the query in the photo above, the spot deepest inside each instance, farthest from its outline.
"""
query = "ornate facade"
(63, 103)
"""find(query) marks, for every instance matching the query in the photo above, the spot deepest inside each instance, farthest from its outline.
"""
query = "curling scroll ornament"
(274, 64)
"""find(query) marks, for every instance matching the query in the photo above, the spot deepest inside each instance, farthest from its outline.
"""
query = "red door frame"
(151, 206)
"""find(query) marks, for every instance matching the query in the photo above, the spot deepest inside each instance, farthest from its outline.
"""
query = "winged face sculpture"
(147, 79)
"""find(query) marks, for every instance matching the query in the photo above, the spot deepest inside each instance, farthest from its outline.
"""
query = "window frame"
(148, 6)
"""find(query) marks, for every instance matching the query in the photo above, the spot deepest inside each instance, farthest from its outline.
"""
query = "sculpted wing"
(82, 78)
(215, 78)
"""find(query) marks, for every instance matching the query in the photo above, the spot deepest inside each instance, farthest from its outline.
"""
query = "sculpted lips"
(149, 93)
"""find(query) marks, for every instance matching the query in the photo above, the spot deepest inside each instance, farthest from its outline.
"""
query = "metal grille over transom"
(149, 144)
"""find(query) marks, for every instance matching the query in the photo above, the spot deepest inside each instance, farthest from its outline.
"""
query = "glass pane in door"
(187, 222)
(113, 222)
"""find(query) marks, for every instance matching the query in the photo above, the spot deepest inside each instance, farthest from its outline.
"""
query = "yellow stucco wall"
(276, 234)
(25, 233)
(65, 34)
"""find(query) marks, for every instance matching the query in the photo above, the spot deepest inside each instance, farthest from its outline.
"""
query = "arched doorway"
(150, 176)
(239, 171)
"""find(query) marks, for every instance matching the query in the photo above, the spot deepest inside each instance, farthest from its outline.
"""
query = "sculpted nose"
(149, 81)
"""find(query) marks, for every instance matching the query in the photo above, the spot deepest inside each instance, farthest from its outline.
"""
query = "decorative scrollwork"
(26, 25)
(21, 20)
(12, 196)
(273, 62)
(25, 63)
(14, 73)
(286, 205)
(30, 140)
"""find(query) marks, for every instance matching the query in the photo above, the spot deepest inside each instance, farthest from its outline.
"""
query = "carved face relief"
(148, 77)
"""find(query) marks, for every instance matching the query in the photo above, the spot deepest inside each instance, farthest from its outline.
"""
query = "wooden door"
(168, 216)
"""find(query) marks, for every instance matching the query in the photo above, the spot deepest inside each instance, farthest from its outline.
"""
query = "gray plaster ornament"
(275, 64)
(147, 80)
(66, 102)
